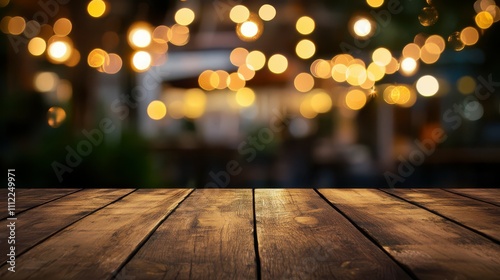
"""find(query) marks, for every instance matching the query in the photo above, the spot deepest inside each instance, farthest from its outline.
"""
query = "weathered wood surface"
(488, 195)
(96, 246)
(432, 247)
(127, 234)
(210, 236)
(480, 216)
(29, 198)
(49, 218)
(301, 237)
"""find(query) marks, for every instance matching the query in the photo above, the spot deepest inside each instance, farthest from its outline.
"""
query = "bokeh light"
(251, 29)
(45, 81)
(245, 97)
(139, 35)
(267, 12)
(277, 63)
(455, 42)
(62, 27)
(184, 16)
(427, 85)
(303, 82)
(56, 116)
(305, 49)
(37, 46)
(484, 20)
(157, 110)
(428, 16)
(362, 27)
(469, 36)
(96, 8)
(239, 14)
(408, 66)
(255, 60)
(355, 99)
(374, 3)
(305, 25)
(238, 56)
(141, 61)
(16, 25)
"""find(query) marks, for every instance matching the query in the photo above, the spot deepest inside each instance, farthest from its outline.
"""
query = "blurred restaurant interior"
(233, 93)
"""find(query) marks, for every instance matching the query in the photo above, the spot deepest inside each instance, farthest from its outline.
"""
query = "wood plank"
(300, 236)
(209, 236)
(49, 218)
(29, 198)
(96, 246)
(475, 214)
(488, 195)
(431, 246)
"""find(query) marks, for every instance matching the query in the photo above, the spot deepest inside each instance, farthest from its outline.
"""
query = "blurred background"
(233, 93)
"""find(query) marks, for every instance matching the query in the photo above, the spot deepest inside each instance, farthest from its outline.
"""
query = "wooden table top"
(253, 234)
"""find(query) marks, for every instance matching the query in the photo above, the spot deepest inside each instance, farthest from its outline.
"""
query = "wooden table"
(254, 234)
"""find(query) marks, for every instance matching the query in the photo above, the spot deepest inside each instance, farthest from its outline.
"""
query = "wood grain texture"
(28, 198)
(300, 236)
(209, 236)
(489, 195)
(53, 216)
(96, 246)
(432, 247)
(475, 214)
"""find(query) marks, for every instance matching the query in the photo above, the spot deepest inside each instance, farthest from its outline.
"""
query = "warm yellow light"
(176, 109)
(204, 80)
(249, 29)
(96, 58)
(255, 60)
(37, 46)
(112, 64)
(321, 102)
(238, 56)
(157, 110)
(194, 103)
(303, 82)
(408, 66)
(466, 85)
(62, 27)
(16, 25)
(355, 99)
(428, 16)
(306, 110)
(321, 68)
(245, 97)
(246, 72)
(305, 49)
(484, 20)
(400, 95)
(239, 14)
(45, 81)
(222, 77)
(277, 63)
(74, 59)
(141, 61)
(382, 56)
(374, 3)
(4, 3)
(339, 72)
(96, 8)
(412, 50)
(375, 72)
(356, 74)
(178, 35)
(427, 85)
(235, 82)
(55, 116)
(469, 36)
(160, 34)
(4, 24)
(184, 16)
(430, 53)
(362, 27)
(392, 67)
(141, 38)
(267, 12)
(305, 25)
(438, 41)
(59, 51)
